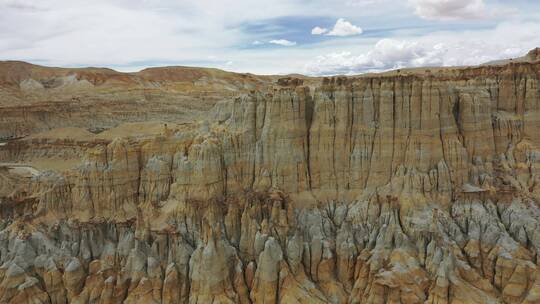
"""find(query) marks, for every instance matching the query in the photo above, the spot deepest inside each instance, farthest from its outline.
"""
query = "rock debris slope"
(405, 187)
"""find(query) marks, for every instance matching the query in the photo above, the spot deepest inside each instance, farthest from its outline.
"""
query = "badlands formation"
(185, 185)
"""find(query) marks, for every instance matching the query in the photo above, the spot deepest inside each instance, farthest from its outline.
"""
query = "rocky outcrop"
(412, 188)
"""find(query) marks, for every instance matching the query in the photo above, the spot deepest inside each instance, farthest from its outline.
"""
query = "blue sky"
(267, 37)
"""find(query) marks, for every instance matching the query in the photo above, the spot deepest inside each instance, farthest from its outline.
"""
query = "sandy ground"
(64, 133)
(135, 129)
(55, 164)
(23, 170)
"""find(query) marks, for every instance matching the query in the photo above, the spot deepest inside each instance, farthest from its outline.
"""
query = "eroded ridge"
(412, 188)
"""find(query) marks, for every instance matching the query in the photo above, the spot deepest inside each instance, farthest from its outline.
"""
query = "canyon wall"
(408, 187)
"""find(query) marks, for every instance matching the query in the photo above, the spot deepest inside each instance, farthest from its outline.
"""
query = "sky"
(313, 37)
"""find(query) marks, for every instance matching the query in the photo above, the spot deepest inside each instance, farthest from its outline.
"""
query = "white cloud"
(344, 28)
(107, 33)
(257, 42)
(437, 49)
(119, 33)
(363, 3)
(283, 42)
(133, 34)
(22, 5)
(318, 30)
(449, 9)
(386, 54)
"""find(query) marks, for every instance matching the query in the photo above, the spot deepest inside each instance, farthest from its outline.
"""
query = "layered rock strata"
(413, 188)
(36, 98)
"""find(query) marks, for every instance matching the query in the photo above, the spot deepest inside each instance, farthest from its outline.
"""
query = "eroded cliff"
(406, 187)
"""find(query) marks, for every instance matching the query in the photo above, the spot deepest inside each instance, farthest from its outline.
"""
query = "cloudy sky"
(317, 37)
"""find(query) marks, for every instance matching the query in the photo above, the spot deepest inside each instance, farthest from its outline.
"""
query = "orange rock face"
(404, 187)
